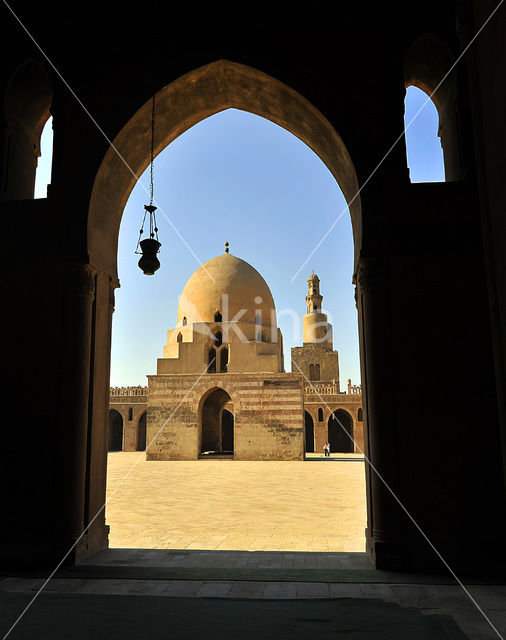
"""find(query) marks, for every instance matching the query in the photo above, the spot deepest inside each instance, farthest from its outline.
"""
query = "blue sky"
(239, 178)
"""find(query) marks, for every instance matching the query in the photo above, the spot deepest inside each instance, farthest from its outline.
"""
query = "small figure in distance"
(326, 449)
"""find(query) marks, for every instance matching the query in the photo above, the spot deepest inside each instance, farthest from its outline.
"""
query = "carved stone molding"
(371, 272)
(113, 284)
(81, 280)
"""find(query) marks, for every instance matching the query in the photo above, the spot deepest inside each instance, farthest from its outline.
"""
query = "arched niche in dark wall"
(28, 97)
(427, 65)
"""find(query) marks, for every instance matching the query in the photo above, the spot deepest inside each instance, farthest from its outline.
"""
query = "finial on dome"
(226, 247)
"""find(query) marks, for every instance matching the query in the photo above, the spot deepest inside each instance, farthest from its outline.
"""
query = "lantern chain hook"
(153, 227)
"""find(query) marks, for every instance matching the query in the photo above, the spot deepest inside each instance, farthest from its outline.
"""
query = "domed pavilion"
(220, 388)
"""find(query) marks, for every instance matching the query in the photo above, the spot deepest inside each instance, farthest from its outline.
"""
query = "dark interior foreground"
(429, 258)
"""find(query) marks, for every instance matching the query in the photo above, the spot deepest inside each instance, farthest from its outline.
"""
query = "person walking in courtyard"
(326, 449)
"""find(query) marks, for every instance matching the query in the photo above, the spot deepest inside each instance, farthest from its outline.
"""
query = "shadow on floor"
(114, 617)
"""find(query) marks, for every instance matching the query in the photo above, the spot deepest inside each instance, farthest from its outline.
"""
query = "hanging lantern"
(150, 246)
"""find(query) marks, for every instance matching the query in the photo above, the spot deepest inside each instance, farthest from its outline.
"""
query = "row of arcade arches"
(340, 433)
(116, 440)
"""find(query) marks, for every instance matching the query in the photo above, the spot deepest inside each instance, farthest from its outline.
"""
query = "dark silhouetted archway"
(309, 426)
(340, 427)
(141, 433)
(115, 430)
(217, 429)
(227, 431)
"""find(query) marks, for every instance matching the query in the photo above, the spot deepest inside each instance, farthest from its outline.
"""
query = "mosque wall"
(313, 354)
(268, 415)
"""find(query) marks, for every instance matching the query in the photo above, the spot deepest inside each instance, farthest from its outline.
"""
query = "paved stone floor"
(298, 569)
(110, 598)
(316, 505)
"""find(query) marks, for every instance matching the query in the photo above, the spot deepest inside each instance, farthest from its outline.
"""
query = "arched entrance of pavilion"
(180, 105)
(309, 432)
(216, 417)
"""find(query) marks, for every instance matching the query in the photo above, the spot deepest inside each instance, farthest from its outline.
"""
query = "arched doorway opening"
(227, 431)
(115, 430)
(340, 432)
(202, 93)
(217, 424)
(141, 433)
(309, 432)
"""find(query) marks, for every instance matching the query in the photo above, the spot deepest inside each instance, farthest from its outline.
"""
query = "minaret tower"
(313, 298)
(315, 327)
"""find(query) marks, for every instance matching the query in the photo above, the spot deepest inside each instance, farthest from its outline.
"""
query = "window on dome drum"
(317, 372)
(130, 413)
(218, 339)
(211, 360)
(217, 317)
(360, 416)
(320, 415)
(185, 321)
(180, 337)
(311, 372)
(224, 360)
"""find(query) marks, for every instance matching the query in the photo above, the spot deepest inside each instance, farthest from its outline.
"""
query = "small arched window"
(423, 137)
(260, 336)
(218, 339)
(320, 415)
(258, 319)
(360, 415)
(224, 360)
(317, 372)
(185, 321)
(426, 74)
(211, 360)
(217, 317)
(130, 413)
(180, 337)
(311, 372)
(27, 100)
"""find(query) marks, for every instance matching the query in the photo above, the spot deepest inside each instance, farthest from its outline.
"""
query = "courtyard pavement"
(316, 505)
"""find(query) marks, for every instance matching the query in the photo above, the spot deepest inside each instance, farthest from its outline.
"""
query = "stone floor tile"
(279, 590)
(247, 589)
(214, 590)
(182, 588)
(105, 586)
(345, 590)
(312, 590)
(21, 584)
(149, 587)
(374, 589)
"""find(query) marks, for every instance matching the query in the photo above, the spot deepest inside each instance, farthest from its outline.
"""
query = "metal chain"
(153, 229)
(151, 189)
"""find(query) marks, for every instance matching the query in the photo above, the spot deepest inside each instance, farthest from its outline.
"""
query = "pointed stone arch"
(183, 103)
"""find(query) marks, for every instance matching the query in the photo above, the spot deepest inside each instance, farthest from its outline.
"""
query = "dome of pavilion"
(221, 281)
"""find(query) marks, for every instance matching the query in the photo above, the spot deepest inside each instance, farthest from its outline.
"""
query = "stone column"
(379, 410)
(79, 293)
(98, 420)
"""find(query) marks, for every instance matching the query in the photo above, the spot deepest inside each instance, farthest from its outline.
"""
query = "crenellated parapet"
(125, 394)
(354, 389)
